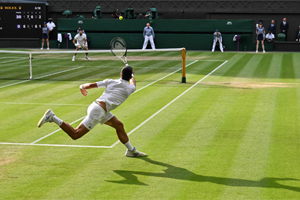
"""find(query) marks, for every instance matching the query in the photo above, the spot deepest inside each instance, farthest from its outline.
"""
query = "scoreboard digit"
(22, 20)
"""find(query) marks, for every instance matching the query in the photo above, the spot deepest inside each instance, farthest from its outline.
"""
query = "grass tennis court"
(232, 133)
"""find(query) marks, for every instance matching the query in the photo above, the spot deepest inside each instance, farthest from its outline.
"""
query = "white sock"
(129, 146)
(57, 121)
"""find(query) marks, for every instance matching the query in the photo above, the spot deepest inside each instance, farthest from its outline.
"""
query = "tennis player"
(81, 43)
(116, 92)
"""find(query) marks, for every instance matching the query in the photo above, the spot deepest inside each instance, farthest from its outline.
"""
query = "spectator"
(298, 35)
(217, 37)
(148, 14)
(148, 34)
(45, 35)
(270, 36)
(272, 27)
(116, 15)
(284, 27)
(260, 32)
(51, 27)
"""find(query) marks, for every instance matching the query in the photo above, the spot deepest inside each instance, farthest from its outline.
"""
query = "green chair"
(98, 12)
(281, 37)
(129, 13)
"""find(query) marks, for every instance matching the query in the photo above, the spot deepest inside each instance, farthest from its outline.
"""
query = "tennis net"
(58, 65)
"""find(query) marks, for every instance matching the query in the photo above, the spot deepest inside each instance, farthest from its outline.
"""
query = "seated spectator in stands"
(272, 27)
(298, 35)
(148, 14)
(79, 29)
(270, 36)
(116, 15)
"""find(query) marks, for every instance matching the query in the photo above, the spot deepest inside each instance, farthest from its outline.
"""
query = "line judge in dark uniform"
(284, 27)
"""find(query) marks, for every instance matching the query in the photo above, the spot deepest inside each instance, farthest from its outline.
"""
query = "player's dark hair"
(126, 73)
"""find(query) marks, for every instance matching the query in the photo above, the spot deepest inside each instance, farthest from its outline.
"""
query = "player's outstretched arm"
(86, 86)
(132, 80)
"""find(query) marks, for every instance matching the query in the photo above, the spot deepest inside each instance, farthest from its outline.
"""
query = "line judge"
(148, 35)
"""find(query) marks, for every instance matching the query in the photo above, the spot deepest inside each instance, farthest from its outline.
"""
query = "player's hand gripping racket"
(118, 47)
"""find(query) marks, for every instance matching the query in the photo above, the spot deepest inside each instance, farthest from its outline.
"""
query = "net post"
(30, 65)
(183, 55)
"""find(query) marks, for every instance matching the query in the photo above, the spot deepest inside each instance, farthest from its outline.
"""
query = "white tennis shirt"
(116, 92)
(80, 38)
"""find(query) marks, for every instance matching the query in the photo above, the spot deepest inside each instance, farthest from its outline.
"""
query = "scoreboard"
(22, 20)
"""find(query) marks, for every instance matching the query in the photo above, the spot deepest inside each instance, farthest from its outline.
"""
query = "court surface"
(230, 132)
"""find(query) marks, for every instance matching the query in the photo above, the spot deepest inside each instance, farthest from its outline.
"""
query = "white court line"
(55, 131)
(41, 77)
(55, 145)
(15, 60)
(170, 102)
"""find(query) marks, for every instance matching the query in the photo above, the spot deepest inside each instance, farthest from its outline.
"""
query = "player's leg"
(76, 133)
(152, 42)
(214, 45)
(77, 47)
(43, 41)
(123, 137)
(47, 43)
(118, 125)
(94, 115)
(220, 45)
(257, 44)
(86, 55)
(145, 42)
(263, 45)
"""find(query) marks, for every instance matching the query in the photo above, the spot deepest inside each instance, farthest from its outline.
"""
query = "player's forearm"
(132, 81)
(88, 86)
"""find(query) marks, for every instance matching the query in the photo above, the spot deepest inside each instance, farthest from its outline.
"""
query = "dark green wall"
(191, 34)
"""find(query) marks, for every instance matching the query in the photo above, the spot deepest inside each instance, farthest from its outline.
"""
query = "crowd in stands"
(282, 36)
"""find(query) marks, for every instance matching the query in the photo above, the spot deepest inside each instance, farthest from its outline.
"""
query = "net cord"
(89, 51)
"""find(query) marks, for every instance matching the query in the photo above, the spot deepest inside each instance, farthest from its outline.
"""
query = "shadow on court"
(179, 173)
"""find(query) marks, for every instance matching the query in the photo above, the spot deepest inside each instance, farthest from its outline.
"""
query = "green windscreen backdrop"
(191, 34)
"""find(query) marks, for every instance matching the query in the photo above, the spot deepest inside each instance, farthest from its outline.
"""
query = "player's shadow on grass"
(179, 173)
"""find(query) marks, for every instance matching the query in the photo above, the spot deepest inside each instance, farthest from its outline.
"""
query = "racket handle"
(126, 64)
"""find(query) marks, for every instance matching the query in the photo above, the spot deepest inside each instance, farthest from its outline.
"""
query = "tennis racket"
(118, 48)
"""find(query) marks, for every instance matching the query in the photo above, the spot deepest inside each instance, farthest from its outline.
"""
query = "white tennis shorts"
(96, 114)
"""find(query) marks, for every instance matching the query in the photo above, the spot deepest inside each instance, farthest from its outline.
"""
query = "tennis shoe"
(73, 59)
(264, 52)
(134, 153)
(42, 48)
(47, 117)
(48, 48)
(86, 57)
(256, 51)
